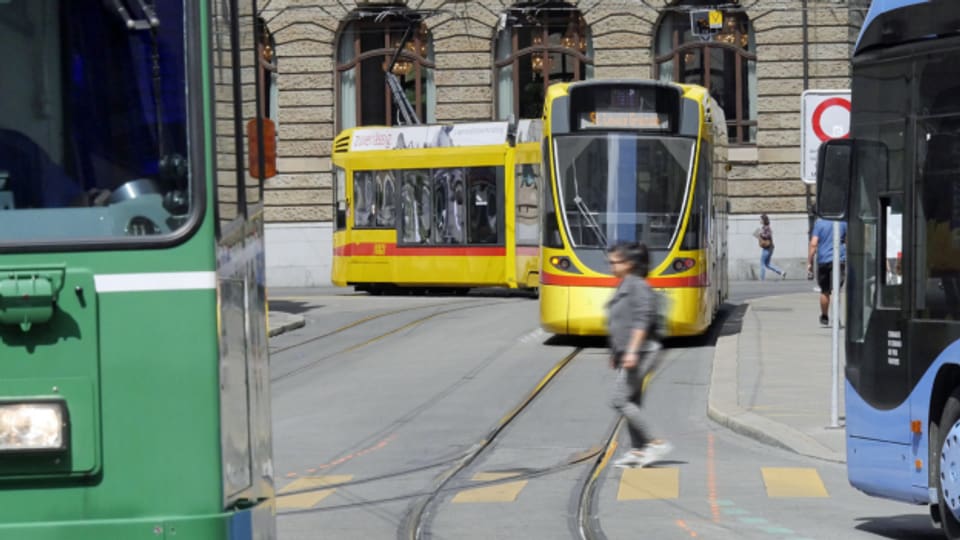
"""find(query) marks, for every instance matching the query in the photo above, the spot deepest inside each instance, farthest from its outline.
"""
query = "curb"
(279, 322)
(723, 408)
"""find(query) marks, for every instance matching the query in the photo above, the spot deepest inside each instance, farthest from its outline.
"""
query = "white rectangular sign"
(825, 115)
(429, 136)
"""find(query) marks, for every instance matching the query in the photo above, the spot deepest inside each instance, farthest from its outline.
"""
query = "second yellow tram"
(438, 207)
(632, 160)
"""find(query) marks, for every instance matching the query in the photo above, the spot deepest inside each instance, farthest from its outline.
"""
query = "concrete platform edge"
(280, 322)
(724, 409)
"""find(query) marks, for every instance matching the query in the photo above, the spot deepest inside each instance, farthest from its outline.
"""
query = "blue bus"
(897, 182)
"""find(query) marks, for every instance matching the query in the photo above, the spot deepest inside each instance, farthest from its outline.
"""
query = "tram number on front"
(379, 249)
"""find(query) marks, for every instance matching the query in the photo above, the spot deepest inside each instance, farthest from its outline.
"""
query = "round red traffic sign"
(818, 116)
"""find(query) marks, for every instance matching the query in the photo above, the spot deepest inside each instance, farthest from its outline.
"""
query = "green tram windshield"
(93, 122)
(619, 187)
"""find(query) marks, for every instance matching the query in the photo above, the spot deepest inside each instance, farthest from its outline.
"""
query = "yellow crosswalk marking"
(793, 482)
(643, 484)
(504, 492)
(309, 499)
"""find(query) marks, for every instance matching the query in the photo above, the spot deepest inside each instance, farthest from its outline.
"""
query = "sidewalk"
(772, 380)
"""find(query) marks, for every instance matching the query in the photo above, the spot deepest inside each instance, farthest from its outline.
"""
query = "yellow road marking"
(300, 501)
(645, 484)
(505, 492)
(793, 482)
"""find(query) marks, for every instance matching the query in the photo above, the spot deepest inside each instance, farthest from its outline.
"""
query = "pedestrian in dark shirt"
(633, 327)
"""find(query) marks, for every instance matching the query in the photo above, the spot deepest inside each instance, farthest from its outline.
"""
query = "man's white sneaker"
(658, 450)
(630, 459)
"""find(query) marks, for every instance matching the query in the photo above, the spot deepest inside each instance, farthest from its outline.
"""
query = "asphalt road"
(400, 417)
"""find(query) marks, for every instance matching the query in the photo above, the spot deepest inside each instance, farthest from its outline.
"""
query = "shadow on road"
(729, 322)
(294, 307)
(587, 342)
(903, 527)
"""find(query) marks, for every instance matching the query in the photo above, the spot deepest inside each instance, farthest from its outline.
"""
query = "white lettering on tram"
(894, 344)
(155, 281)
(892, 357)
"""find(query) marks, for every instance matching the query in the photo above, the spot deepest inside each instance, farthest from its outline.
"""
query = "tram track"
(359, 322)
(458, 461)
(584, 524)
(369, 340)
(415, 525)
(578, 459)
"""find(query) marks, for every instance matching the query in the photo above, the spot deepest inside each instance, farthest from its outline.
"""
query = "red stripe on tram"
(546, 278)
(659, 282)
(666, 282)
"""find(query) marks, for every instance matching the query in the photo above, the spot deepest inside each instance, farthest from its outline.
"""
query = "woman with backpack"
(765, 238)
(633, 326)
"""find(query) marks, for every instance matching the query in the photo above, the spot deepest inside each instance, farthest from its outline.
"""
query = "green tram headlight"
(33, 426)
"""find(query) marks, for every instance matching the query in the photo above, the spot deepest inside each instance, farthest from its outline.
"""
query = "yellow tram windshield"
(616, 187)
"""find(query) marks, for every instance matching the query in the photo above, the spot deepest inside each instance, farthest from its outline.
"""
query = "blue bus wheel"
(948, 473)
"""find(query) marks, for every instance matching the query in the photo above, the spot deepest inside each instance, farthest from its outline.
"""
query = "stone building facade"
(772, 50)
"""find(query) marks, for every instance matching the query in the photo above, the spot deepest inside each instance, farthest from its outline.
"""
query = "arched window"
(539, 43)
(725, 64)
(365, 48)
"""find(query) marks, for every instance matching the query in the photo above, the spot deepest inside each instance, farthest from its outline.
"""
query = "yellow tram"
(633, 160)
(438, 207)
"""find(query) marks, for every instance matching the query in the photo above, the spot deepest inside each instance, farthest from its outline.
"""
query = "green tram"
(134, 385)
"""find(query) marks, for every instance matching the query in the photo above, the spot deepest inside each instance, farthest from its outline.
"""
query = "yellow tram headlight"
(562, 263)
(32, 426)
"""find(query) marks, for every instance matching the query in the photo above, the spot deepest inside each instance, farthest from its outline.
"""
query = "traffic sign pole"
(825, 115)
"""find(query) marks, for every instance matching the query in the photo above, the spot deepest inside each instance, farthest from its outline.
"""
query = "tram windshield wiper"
(585, 212)
(122, 10)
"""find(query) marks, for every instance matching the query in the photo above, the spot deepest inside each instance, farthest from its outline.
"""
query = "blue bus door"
(880, 445)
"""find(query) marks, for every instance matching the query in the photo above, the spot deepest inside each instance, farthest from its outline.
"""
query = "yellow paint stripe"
(645, 484)
(308, 499)
(505, 492)
(793, 482)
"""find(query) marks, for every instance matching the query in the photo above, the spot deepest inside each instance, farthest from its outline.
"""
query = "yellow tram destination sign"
(623, 120)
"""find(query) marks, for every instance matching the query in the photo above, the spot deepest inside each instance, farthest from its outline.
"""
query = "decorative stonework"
(622, 33)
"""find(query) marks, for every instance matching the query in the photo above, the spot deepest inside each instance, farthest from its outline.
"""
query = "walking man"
(634, 328)
(821, 252)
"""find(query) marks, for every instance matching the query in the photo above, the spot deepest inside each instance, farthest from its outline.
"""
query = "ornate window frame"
(736, 41)
(414, 67)
(545, 36)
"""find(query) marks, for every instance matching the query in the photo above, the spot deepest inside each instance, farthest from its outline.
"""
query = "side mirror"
(269, 143)
(834, 173)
